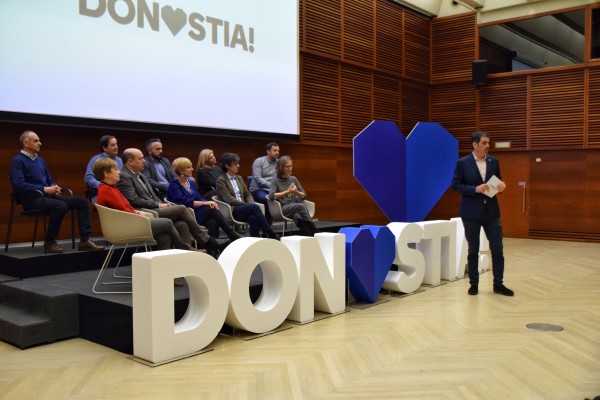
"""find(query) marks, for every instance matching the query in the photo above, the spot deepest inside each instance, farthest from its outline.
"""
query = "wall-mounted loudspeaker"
(479, 73)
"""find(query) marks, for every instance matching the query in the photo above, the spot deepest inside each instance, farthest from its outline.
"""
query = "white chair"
(277, 212)
(227, 212)
(119, 227)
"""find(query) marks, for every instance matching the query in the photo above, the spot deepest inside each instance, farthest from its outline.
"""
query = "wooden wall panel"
(359, 33)
(454, 106)
(417, 47)
(593, 121)
(368, 69)
(557, 109)
(389, 39)
(563, 192)
(591, 202)
(386, 98)
(415, 105)
(453, 47)
(320, 100)
(503, 110)
(323, 26)
(357, 101)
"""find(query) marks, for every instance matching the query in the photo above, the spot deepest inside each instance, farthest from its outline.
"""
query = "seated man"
(28, 174)
(263, 172)
(137, 190)
(157, 169)
(108, 149)
(233, 191)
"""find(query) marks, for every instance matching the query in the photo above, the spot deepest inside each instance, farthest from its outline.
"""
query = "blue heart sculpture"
(370, 251)
(405, 178)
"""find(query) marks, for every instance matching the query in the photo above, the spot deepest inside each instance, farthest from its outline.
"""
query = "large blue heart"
(405, 178)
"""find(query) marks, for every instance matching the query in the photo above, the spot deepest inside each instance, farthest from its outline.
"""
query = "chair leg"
(100, 277)
(73, 229)
(120, 258)
(10, 222)
(35, 225)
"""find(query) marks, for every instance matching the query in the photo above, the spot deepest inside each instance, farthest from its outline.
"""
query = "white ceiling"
(490, 10)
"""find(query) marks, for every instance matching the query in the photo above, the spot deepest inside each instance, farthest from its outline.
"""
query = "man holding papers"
(477, 177)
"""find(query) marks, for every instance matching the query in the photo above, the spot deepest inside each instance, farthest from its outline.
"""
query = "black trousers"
(57, 207)
(493, 230)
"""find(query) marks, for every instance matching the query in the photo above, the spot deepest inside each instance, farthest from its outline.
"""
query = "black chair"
(34, 213)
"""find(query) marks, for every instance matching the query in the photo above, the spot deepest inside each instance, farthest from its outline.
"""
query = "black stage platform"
(104, 319)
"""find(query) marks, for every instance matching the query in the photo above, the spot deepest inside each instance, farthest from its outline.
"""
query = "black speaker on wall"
(479, 72)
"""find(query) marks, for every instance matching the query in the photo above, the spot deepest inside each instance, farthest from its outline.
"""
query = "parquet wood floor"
(436, 344)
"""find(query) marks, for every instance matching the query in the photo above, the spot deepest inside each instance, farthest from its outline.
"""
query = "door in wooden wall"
(514, 202)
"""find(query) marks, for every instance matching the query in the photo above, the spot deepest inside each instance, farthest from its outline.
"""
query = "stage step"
(32, 313)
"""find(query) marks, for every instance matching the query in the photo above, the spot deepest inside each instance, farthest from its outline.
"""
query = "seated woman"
(207, 172)
(233, 191)
(182, 190)
(286, 189)
(163, 230)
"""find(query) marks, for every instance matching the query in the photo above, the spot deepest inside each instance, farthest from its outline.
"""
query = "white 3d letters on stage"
(156, 337)
(457, 250)
(431, 247)
(410, 262)
(219, 291)
(280, 283)
(300, 275)
(321, 273)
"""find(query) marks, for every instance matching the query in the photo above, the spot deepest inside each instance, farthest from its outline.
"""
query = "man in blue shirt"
(108, 149)
(29, 177)
(263, 172)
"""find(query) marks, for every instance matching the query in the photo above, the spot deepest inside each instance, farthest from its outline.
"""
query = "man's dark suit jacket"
(134, 192)
(467, 178)
(149, 172)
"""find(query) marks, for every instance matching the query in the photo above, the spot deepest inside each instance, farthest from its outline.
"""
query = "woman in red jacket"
(163, 230)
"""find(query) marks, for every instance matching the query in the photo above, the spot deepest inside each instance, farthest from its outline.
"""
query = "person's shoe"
(473, 290)
(273, 235)
(503, 290)
(52, 247)
(234, 236)
(89, 246)
(224, 245)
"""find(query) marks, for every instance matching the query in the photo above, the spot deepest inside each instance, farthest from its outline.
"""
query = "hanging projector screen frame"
(215, 69)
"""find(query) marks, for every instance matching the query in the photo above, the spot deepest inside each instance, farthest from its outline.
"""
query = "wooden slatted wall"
(453, 47)
(415, 105)
(390, 46)
(557, 109)
(357, 100)
(503, 110)
(454, 106)
(593, 119)
(355, 65)
(358, 32)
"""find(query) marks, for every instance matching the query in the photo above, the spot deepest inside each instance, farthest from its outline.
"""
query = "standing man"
(29, 175)
(157, 169)
(477, 210)
(108, 149)
(263, 172)
(137, 190)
